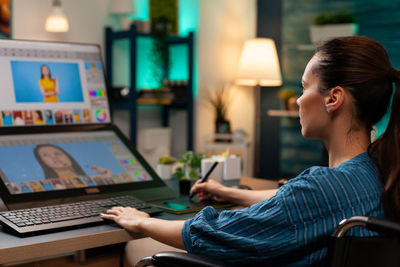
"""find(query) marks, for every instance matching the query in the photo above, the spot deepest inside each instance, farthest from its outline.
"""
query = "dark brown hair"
(49, 172)
(362, 66)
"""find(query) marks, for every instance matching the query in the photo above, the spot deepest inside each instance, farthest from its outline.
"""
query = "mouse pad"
(183, 205)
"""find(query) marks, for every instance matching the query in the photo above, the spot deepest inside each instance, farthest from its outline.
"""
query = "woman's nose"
(298, 101)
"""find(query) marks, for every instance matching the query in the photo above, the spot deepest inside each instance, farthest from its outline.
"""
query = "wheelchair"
(343, 251)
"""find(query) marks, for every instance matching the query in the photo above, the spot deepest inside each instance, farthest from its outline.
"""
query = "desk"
(13, 248)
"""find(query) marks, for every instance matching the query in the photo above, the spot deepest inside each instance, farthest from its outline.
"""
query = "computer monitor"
(48, 83)
(34, 163)
(56, 136)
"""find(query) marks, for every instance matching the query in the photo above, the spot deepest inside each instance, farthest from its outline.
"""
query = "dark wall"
(269, 25)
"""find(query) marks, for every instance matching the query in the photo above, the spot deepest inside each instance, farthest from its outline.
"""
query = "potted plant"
(218, 99)
(289, 98)
(330, 25)
(192, 164)
(190, 171)
(164, 167)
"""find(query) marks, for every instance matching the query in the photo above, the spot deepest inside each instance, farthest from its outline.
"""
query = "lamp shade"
(121, 6)
(259, 64)
(57, 21)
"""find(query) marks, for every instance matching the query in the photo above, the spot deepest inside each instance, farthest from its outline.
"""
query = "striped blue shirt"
(293, 227)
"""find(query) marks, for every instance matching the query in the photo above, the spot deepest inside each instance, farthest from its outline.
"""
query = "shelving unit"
(131, 104)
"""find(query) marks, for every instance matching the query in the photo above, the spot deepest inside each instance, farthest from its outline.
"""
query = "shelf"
(154, 101)
(283, 113)
(171, 103)
(172, 39)
(133, 101)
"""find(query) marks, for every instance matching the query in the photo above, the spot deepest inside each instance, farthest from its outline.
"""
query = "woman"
(48, 86)
(57, 163)
(347, 86)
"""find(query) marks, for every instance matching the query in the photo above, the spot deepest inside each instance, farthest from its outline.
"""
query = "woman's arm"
(44, 93)
(216, 191)
(57, 88)
(247, 197)
(168, 232)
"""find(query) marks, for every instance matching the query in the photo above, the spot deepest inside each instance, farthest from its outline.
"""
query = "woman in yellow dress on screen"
(48, 86)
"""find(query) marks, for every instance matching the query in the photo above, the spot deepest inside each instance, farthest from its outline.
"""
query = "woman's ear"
(334, 99)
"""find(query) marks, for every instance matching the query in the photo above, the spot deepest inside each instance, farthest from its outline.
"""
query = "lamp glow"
(57, 21)
(259, 64)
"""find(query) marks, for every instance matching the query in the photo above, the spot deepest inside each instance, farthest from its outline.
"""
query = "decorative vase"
(192, 173)
(291, 103)
(319, 33)
(164, 171)
(222, 126)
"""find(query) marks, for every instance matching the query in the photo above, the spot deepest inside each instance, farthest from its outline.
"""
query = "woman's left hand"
(128, 218)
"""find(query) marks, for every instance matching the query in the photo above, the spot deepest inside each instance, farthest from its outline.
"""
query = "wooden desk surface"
(13, 248)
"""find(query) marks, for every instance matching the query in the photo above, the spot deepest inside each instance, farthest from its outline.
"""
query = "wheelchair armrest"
(382, 226)
(169, 259)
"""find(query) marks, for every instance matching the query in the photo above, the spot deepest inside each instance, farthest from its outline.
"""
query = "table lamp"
(57, 21)
(258, 66)
(122, 8)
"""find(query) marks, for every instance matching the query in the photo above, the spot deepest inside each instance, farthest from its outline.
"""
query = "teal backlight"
(188, 20)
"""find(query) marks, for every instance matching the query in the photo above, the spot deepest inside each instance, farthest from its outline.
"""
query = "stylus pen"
(204, 179)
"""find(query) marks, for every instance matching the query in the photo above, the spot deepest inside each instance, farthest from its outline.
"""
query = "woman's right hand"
(210, 190)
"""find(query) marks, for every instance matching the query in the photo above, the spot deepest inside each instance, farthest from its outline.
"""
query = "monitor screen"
(47, 83)
(34, 163)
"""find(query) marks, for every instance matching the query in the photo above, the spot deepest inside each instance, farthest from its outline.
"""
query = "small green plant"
(192, 159)
(192, 164)
(167, 160)
(334, 18)
(179, 174)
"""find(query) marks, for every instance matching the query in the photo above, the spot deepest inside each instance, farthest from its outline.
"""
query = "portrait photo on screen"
(65, 160)
(46, 82)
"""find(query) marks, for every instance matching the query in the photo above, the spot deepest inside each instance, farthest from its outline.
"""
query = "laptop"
(57, 142)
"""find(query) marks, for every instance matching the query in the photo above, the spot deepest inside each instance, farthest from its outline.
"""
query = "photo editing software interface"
(51, 83)
(59, 161)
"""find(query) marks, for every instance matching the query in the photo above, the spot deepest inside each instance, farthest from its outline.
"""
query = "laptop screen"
(47, 83)
(34, 163)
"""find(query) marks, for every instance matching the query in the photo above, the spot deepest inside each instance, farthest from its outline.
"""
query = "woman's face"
(312, 111)
(54, 157)
(45, 71)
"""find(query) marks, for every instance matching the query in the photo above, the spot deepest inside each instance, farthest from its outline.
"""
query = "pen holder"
(217, 173)
(184, 186)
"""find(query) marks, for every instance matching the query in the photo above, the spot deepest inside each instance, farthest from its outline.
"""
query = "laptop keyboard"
(52, 218)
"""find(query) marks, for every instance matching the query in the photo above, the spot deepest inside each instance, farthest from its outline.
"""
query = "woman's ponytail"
(386, 153)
